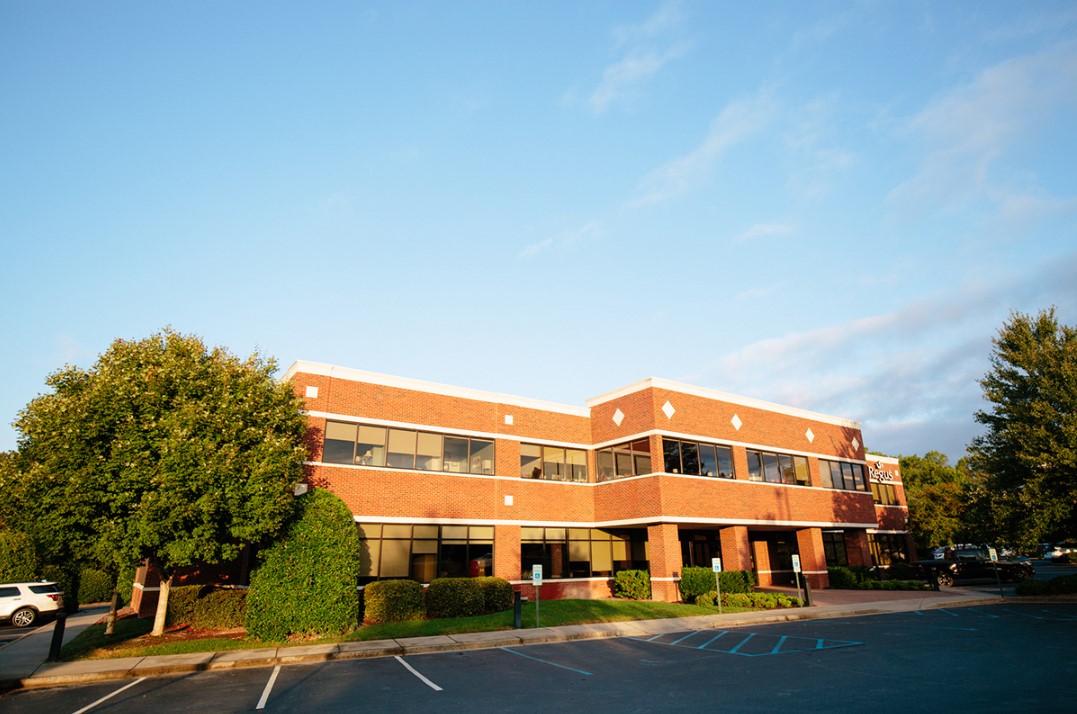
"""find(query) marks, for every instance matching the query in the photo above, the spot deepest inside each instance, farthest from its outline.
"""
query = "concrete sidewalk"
(22, 662)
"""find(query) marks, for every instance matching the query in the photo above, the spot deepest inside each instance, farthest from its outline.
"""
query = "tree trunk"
(110, 620)
(162, 606)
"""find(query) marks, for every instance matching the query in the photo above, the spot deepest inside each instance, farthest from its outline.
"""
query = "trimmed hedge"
(306, 582)
(632, 584)
(181, 603)
(220, 609)
(861, 578)
(95, 586)
(697, 581)
(1062, 585)
(760, 601)
(393, 601)
(496, 593)
(454, 597)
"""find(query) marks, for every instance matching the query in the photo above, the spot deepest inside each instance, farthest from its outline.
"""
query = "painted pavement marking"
(416, 672)
(753, 644)
(544, 661)
(105, 698)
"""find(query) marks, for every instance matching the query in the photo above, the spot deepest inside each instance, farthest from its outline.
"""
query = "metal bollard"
(517, 613)
(57, 637)
(807, 593)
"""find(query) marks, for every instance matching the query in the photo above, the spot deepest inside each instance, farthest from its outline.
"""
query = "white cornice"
(659, 383)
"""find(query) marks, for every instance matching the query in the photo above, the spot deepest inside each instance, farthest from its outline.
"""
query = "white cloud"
(765, 230)
(969, 129)
(646, 52)
(588, 231)
(735, 123)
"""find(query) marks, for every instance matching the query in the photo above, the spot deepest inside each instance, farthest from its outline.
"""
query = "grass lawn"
(132, 639)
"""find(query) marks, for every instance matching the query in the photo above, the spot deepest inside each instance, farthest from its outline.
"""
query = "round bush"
(305, 583)
(220, 609)
(454, 597)
(393, 601)
(632, 584)
(95, 586)
(695, 582)
(496, 593)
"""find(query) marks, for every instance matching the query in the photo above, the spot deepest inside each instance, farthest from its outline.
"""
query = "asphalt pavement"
(23, 662)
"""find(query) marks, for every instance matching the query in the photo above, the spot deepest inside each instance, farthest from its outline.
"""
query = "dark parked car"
(973, 565)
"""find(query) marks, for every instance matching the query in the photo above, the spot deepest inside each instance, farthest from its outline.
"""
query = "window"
(624, 460)
(424, 552)
(886, 548)
(581, 552)
(885, 494)
(842, 475)
(553, 463)
(687, 457)
(778, 468)
(406, 449)
(834, 548)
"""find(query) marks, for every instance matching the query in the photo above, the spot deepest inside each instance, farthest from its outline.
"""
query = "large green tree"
(163, 451)
(942, 499)
(1029, 449)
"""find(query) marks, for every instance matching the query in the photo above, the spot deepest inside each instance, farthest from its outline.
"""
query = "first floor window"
(424, 552)
(581, 552)
(834, 548)
(886, 548)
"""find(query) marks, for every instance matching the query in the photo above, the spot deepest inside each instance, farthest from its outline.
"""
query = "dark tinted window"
(42, 589)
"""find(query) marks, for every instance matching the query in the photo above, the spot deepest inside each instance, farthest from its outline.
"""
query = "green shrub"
(125, 584)
(393, 601)
(849, 578)
(181, 602)
(67, 580)
(18, 559)
(708, 599)
(454, 597)
(496, 593)
(761, 601)
(305, 583)
(220, 609)
(632, 584)
(95, 586)
(696, 581)
(736, 600)
(1062, 585)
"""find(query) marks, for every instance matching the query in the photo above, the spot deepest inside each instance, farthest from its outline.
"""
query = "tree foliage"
(306, 582)
(1029, 450)
(164, 450)
(940, 498)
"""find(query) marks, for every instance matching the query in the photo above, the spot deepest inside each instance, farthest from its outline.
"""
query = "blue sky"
(833, 206)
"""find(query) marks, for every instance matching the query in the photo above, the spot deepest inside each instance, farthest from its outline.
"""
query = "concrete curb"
(83, 671)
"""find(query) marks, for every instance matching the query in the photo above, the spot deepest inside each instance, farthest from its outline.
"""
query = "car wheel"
(23, 617)
(946, 579)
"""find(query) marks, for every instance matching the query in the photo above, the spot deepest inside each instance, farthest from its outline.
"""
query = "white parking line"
(411, 669)
(269, 688)
(105, 698)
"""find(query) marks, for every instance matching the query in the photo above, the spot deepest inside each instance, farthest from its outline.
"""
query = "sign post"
(536, 581)
(716, 566)
(796, 572)
(994, 563)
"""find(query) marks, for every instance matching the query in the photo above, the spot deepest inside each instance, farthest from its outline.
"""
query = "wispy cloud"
(765, 230)
(646, 50)
(969, 129)
(735, 123)
(588, 231)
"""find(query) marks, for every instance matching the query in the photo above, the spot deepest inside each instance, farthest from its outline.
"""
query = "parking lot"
(994, 658)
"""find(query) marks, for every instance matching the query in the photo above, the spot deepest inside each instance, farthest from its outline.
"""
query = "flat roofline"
(670, 385)
(419, 385)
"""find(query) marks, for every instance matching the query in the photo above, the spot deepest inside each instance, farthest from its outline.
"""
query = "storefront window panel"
(605, 465)
(755, 466)
(429, 452)
(401, 449)
(770, 468)
(576, 463)
(671, 454)
(339, 447)
(708, 464)
(370, 451)
(553, 463)
(456, 449)
(785, 464)
(530, 461)
(624, 463)
(725, 461)
(482, 456)
(690, 458)
(800, 468)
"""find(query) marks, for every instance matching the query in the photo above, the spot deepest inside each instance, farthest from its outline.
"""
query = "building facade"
(657, 475)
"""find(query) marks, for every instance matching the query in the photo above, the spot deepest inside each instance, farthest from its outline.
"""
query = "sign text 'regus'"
(876, 473)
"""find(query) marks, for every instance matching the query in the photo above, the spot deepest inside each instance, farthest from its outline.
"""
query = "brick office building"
(449, 481)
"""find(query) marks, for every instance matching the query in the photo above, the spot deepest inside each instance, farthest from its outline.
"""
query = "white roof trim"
(659, 383)
(418, 385)
(885, 459)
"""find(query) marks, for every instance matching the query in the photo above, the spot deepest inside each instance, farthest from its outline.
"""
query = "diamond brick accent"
(810, 434)
(856, 443)
(668, 410)
(736, 422)
(618, 417)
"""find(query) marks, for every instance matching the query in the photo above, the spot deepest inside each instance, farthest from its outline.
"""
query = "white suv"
(23, 603)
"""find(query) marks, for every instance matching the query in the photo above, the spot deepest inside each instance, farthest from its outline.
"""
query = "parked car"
(1060, 549)
(24, 603)
(971, 564)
